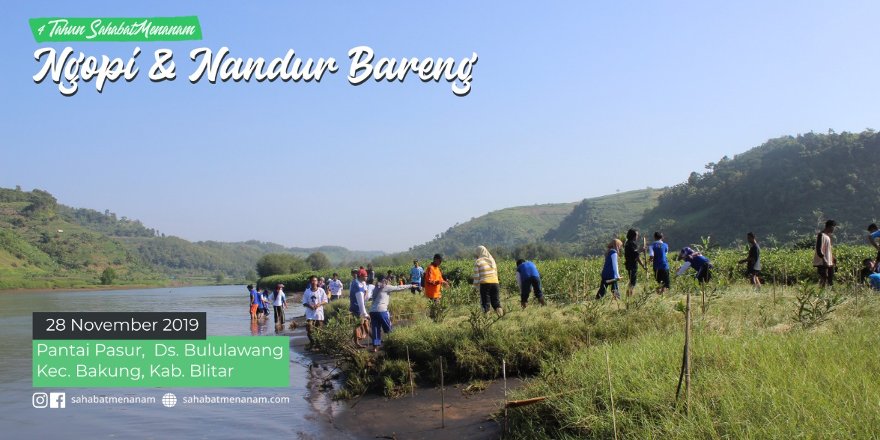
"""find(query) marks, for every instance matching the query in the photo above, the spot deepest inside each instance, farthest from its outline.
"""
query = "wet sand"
(408, 417)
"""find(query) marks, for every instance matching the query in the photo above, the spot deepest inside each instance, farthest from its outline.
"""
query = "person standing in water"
(280, 303)
(314, 299)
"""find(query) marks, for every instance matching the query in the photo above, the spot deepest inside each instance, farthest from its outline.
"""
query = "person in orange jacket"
(434, 280)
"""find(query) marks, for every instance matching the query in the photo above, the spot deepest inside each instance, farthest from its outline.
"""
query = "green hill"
(593, 222)
(781, 190)
(39, 247)
(568, 226)
(46, 244)
(503, 228)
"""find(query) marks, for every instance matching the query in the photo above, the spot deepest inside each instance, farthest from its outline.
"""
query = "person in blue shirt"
(874, 280)
(610, 271)
(657, 254)
(254, 301)
(528, 278)
(415, 277)
(694, 259)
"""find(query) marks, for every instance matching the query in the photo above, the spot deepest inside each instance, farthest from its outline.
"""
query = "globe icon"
(169, 400)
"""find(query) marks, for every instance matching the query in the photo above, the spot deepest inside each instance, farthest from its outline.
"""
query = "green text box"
(218, 361)
(56, 29)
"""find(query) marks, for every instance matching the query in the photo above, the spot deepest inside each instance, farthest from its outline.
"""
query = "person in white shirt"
(368, 296)
(335, 285)
(379, 318)
(280, 303)
(314, 299)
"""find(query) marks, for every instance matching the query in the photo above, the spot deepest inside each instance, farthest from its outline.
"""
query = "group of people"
(823, 261)
(374, 320)
(657, 254)
(261, 301)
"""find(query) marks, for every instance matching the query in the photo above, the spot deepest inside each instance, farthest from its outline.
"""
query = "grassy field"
(758, 371)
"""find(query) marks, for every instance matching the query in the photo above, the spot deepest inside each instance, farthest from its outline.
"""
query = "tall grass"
(756, 372)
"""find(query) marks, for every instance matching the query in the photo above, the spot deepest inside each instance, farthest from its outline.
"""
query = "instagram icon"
(40, 400)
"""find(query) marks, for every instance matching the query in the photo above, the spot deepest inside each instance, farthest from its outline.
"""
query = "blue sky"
(569, 100)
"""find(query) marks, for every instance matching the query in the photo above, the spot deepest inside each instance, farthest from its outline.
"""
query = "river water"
(227, 314)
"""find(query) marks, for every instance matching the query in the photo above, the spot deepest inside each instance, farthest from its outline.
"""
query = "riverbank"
(467, 413)
(795, 351)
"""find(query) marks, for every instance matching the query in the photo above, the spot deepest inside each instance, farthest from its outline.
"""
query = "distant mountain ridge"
(782, 190)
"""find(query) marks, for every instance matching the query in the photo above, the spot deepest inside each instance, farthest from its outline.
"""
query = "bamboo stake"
(504, 375)
(412, 388)
(685, 372)
(687, 349)
(442, 397)
(524, 402)
(611, 392)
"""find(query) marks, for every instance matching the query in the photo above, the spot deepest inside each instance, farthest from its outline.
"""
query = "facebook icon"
(57, 400)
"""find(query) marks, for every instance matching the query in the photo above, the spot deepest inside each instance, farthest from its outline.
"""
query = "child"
(263, 311)
(610, 273)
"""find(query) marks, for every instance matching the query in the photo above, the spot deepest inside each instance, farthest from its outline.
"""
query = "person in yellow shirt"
(434, 280)
(486, 280)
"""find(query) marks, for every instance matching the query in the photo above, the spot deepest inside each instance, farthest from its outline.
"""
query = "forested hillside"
(781, 190)
(594, 221)
(46, 244)
(503, 228)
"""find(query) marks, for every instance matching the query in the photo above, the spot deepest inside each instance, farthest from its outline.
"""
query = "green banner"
(217, 362)
(116, 29)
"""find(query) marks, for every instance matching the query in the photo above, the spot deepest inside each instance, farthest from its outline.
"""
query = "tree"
(318, 261)
(108, 276)
(280, 264)
(251, 275)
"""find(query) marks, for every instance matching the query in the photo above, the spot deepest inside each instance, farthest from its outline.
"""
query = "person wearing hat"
(280, 303)
(823, 257)
(415, 277)
(696, 260)
(434, 280)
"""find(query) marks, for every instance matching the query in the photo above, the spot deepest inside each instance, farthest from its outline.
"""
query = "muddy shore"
(414, 416)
